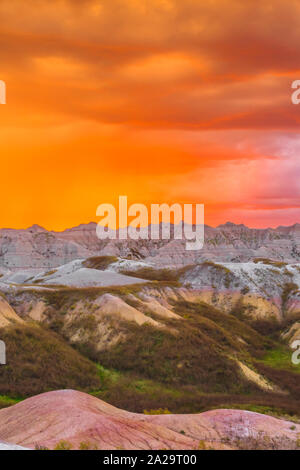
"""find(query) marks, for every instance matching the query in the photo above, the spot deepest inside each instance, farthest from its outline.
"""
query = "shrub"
(63, 445)
(87, 446)
(159, 411)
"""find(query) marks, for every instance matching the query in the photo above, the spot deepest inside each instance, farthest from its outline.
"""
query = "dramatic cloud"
(157, 99)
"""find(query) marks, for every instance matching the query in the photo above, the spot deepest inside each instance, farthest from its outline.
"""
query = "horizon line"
(228, 223)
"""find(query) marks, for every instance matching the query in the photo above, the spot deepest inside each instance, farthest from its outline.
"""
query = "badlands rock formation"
(36, 248)
(262, 289)
(54, 279)
(73, 274)
(79, 420)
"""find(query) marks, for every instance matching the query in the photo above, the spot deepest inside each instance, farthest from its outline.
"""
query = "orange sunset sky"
(159, 100)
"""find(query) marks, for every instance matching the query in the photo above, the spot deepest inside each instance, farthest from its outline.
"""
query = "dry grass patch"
(99, 262)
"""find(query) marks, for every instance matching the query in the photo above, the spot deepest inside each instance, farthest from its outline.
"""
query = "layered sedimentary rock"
(260, 289)
(76, 420)
(37, 248)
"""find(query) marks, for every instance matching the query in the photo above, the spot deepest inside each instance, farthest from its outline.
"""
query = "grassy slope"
(194, 370)
(280, 358)
(191, 371)
(202, 353)
(6, 401)
(39, 360)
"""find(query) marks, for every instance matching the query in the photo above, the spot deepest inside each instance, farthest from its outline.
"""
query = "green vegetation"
(63, 445)
(159, 411)
(133, 393)
(263, 409)
(201, 353)
(86, 445)
(194, 370)
(39, 361)
(281, 358)
(6, 401)
(188, 367)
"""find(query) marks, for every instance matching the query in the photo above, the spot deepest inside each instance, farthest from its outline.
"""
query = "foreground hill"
(72, 420)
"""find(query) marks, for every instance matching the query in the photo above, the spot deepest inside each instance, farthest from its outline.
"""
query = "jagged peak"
(87, 226)
(232, 225)
(36, 228)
